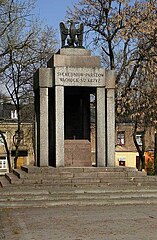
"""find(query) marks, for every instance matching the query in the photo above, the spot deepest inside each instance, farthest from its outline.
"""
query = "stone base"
(77, 153)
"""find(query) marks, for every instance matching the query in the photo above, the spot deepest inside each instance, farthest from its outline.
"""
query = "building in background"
(126, 153)
(8, 126)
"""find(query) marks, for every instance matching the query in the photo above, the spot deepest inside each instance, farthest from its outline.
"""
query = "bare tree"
(125, 32)
(119, 28)
(139, 105)
(25, 45)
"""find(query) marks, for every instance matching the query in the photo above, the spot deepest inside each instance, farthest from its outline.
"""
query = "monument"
(62, 105)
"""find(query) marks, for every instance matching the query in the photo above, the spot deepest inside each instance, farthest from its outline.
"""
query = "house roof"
(27, 112)
(125, 149)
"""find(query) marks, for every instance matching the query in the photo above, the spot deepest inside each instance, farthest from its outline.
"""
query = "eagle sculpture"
(73, 36)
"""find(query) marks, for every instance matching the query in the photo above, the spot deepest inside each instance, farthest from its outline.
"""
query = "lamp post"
(18, 136)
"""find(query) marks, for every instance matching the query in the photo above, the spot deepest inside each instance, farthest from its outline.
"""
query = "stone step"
(75, 177)
(4, 182)
(22, 175)
(13, 179)
(85, 197)
(147, 179)
(76, 197)
(72, 179)
(46, 170)
(33, 169)
(64, 178)
(136, 173)
(100, 174)
(79, 183)
(78, 202)
(69, 174)
(85, 192)
(70, 187)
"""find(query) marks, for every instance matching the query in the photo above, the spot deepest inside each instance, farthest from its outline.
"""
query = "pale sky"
(53, 11)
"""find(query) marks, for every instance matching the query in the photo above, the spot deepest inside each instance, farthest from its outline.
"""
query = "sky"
(53, 11)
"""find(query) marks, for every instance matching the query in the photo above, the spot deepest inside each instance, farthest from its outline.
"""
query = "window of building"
(1, 139)
(3, 163)
(13, 114)
(122, 161)
(139, 138)
(120, 138)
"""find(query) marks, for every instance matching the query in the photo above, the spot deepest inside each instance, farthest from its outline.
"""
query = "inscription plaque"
(83, 77)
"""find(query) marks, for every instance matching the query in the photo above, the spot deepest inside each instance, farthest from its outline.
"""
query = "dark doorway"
(77, 112)
(77, 126)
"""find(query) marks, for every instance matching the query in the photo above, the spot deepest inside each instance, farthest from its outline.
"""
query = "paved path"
(133, 222)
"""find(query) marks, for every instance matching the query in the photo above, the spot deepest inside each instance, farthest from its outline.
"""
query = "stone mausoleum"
(62, 105)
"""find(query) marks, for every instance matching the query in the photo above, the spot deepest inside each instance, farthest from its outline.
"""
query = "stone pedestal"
(77, 153)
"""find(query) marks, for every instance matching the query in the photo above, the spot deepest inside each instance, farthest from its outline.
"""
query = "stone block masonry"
(62, 92)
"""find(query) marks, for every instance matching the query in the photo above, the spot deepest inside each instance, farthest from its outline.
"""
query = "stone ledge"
(74, 51)
(73, 61)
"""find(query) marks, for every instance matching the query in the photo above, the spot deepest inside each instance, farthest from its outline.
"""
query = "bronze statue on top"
(73, 36)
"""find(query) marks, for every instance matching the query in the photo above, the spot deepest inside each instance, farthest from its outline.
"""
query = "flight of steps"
(78, 176)
(48, 186)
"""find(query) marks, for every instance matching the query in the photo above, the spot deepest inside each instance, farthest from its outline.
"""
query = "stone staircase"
(77, 177)
(48, 186)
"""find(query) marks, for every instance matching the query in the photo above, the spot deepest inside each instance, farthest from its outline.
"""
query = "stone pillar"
(110, 85)
(35, 136)
(59, 125)
(43, 127)
(101, 133)
(110, 127)
(43, 79)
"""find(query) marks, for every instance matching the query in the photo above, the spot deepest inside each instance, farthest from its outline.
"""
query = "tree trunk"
(140, 150)
(7, 151)
(18, 132)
